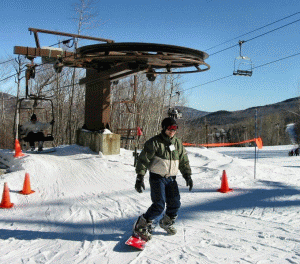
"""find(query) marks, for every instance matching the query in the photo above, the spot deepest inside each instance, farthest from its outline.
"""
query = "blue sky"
(195, 24)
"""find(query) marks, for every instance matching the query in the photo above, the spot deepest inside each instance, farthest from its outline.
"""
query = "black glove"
(189, 181)
(139, 184)
(52, 122)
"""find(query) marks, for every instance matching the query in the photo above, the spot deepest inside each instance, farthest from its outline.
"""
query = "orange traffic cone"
(224, 185)
(18, 150)
(5, 203)
(26, 187)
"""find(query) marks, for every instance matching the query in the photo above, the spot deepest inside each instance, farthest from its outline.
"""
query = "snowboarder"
(34, 132)
(162, 155)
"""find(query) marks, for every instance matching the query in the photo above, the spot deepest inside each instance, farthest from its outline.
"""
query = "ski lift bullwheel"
(149, 58)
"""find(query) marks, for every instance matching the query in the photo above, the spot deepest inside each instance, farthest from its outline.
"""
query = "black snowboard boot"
(167, 223)
(143, 228)
(40, 146)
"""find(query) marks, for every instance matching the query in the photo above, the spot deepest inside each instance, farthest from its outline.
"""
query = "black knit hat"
(169, 121)
(33, 117)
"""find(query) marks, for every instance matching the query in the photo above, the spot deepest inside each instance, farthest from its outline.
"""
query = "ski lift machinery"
(242, 65)
(33, 104)
(109, 62)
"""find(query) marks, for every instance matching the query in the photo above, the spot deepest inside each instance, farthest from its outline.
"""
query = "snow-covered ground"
(85, 204)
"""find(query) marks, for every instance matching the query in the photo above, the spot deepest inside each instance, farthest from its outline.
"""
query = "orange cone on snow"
(26, 187)
(18, 150)
(224, 184)
(5, 203)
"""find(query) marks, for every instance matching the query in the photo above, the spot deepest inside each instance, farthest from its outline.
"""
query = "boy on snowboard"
(162, 155)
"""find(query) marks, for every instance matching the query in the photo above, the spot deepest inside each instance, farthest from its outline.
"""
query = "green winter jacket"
(159, 158)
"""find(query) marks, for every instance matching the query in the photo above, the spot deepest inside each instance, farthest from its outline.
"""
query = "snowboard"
(136, 242)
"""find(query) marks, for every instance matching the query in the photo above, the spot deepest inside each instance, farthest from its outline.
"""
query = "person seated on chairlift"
(175, 112)
(34, 132)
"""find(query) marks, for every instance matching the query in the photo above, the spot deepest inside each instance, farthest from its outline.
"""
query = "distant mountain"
(191, 113)
(231, 117)
(6, 96)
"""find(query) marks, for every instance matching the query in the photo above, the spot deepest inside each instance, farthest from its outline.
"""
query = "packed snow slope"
(84, 207)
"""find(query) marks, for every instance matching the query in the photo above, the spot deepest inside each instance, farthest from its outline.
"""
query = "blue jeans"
(164, 193)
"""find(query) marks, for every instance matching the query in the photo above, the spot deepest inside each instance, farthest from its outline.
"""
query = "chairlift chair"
(242, 65)
(31, 105)
(174, 113)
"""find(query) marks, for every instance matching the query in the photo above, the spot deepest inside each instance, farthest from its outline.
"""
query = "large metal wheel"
(149, 57)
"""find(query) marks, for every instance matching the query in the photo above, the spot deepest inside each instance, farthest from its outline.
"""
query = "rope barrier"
(258, 142)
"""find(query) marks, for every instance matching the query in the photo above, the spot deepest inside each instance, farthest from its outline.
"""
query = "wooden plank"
(38, 52)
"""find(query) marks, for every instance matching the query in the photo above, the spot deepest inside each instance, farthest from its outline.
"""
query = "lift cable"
(253, 31)
(191, 88)
(259, 66)
(210, 54)
(221, 78)
(65, 42)
(257, 36)
(6, 61)
(36, 65)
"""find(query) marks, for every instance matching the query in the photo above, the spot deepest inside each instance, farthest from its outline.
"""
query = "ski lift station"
(106, 63)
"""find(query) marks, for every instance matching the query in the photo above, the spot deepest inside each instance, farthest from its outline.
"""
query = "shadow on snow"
(120, 229)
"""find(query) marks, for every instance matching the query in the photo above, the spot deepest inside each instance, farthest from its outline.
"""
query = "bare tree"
(9, 68)
(19, 66)
(86, 19)
(150, 107)
(86, 15)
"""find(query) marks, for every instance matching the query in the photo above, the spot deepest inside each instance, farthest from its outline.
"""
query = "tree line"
(143, 105)
(271, 128)
(145, 109)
